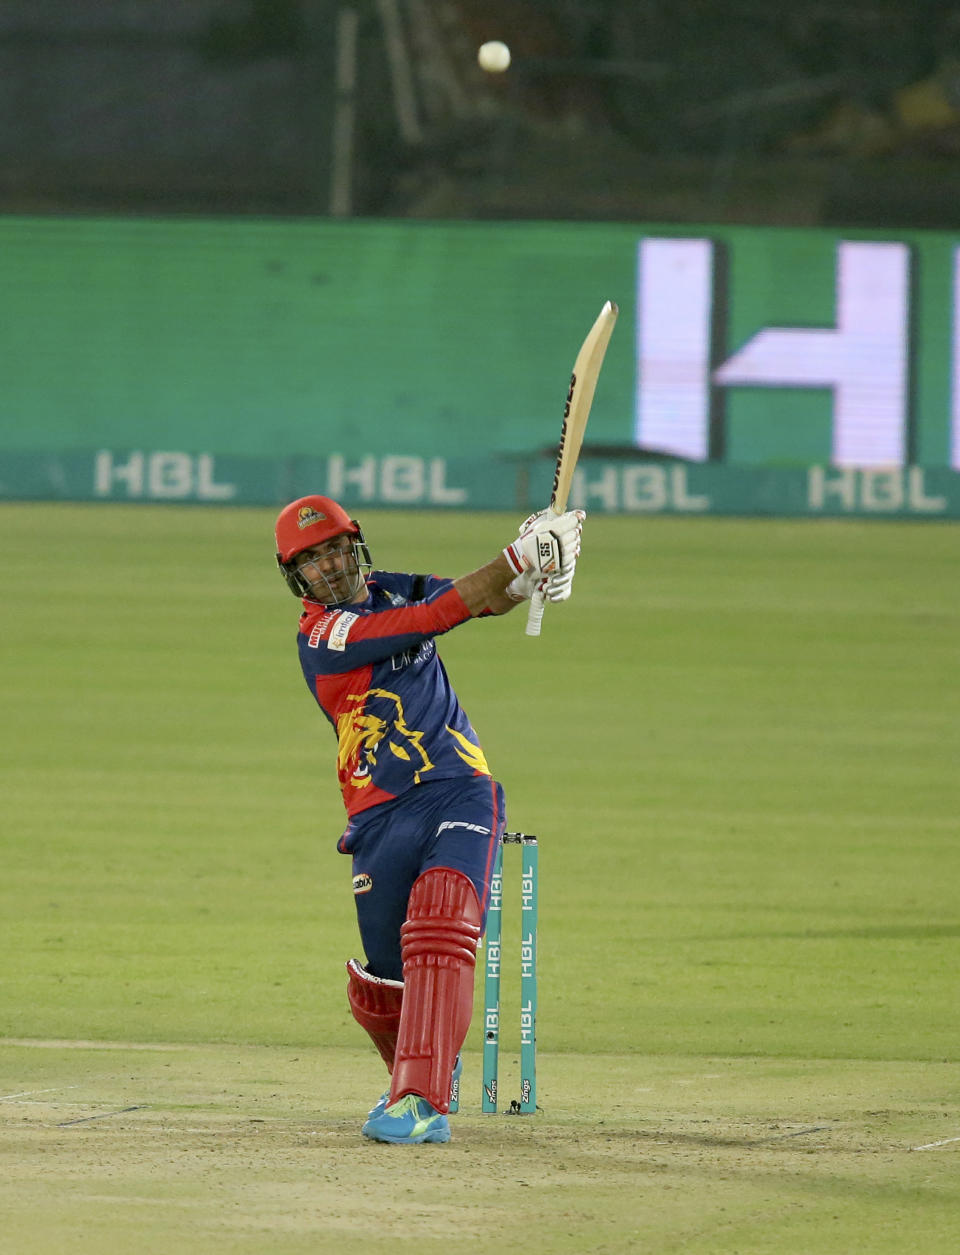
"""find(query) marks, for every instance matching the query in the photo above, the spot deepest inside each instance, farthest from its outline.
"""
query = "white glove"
(559, 586)
(556, 587)
(522, 587)
(529, 521)
(548, 546)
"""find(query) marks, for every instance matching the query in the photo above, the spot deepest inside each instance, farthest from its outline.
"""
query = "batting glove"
(559, 586)
(522, 587)
(549, 545)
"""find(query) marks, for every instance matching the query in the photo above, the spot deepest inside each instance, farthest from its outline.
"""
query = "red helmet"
(310, 521)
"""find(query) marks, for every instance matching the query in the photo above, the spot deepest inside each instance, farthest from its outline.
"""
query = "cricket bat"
(583, 382)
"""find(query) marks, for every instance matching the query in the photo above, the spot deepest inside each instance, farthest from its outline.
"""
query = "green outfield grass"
(738, 744)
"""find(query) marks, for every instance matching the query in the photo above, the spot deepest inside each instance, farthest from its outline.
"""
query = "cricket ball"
(494, 56)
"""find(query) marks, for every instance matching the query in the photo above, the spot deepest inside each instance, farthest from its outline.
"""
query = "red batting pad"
(439, 945)
(376, 1004)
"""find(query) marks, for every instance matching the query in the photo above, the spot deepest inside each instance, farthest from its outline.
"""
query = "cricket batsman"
(424, 814)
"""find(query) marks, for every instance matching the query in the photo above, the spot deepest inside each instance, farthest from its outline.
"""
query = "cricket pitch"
(151, 1148)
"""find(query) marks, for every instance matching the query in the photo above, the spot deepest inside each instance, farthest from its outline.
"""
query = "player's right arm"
(345, 637)
(335, 640)
(545, 551)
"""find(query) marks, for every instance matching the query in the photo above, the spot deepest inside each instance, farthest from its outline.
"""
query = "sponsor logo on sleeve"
(362, 883)
(318, 629)
(341, 630)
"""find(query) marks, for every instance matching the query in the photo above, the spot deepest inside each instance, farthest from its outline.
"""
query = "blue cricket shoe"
(382, 1101)
(407, 1122)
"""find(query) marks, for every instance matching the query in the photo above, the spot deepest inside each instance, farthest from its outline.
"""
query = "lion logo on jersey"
(363, 734)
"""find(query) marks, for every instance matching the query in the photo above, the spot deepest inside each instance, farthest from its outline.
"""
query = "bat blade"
(583, 383)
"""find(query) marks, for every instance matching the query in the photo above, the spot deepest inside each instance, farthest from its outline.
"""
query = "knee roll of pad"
(443, 918)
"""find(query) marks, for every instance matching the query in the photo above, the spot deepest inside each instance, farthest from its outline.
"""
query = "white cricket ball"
(494, 56)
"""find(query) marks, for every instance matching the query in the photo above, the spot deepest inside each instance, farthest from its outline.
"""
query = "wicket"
(529, 889)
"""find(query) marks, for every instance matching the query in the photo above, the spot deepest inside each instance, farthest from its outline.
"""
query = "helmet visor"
(331, 571)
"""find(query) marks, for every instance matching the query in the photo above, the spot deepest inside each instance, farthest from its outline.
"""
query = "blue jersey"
(374, 670)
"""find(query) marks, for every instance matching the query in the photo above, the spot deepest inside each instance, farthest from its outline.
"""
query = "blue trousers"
(444, 823)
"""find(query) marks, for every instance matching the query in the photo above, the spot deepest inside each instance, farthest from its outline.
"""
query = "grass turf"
(738, 745)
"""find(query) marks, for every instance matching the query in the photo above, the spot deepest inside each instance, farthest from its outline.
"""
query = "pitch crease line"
(933, 1145)
(28, 1093)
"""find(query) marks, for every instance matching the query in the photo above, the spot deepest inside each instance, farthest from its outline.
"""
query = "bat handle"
(538, 601)
(535, 613)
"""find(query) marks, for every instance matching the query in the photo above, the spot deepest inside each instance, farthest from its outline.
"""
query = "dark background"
(803, 112)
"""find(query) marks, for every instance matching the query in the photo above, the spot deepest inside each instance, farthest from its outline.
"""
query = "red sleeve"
(345, 639)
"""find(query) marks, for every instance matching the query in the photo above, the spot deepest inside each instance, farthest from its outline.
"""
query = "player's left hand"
(547, 546)
(522, 587)
(529, 521)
